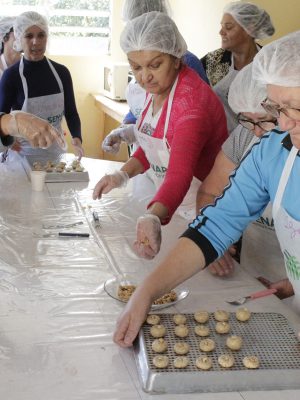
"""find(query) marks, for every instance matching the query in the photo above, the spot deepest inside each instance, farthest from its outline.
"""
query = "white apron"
(135, 96)
(222, 89)
(49, 108)
(261, 254)
(158, 155)
(288, 231)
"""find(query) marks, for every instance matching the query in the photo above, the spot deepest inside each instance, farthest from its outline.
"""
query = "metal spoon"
(256, 295)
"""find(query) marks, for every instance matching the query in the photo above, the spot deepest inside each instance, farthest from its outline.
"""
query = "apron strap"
(4, 61)
(170, 102)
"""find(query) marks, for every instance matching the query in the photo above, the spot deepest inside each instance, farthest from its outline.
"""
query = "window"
(77, 27)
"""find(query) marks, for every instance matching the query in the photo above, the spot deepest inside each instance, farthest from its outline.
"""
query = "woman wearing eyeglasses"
(261, 254)
(269, 172)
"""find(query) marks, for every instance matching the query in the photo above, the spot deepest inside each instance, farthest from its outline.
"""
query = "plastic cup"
(37, 180)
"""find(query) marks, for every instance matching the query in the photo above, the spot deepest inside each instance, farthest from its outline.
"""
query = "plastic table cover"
(56, 321)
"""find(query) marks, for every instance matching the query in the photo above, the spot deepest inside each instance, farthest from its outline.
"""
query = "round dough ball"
(207, 345)
(161, 361)
(234, 342)
(203, 362)
(226, 360)
(158, 331)
(201, 316)
(242, 314)
(181, 330)
(221, 315)
(181, 348)
(159, 345)
(251, 362)
(181, 362)
(153, 319)
(179, 319)
(202, 330)
(222, 327)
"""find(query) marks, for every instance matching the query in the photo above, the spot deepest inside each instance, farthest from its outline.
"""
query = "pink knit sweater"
(197, 129)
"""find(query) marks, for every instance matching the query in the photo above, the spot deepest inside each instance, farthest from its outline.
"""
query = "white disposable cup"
(37, 180)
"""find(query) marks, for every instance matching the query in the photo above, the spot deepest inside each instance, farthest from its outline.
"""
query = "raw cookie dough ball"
(159, 345)
(226, 360)
(242, 314)
(234, 342)
(203, 362)
(158, 331)
(222, 327)
(251, 362)
(181, 362)
(181, 330)
(207, 345)
(221, 315)
(153, 319)
(202, 330)
(181, 348)
(161, 361)
(201, 316)
(179, 319)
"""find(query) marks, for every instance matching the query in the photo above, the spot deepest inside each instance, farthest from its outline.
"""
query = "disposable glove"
(109, 182)
(148, 233)
(37, 131)
(112, 142)
(224, 265)
(78, 149)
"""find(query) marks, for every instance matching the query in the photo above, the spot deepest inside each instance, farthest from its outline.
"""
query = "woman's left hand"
(148, 232)
(78, 149)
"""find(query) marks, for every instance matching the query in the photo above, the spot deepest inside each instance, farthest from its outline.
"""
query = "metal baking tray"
(266, 335)
(64, 176)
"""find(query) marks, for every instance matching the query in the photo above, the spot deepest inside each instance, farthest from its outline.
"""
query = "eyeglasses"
(275, 110)
(250, 125)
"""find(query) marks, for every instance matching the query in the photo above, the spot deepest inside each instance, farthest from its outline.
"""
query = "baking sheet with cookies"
(61, 169)
(268, 336)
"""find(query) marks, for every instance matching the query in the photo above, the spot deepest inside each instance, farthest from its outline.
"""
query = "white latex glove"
(148, 236)
(222, 266)
(112, 142)
(109, 182)
(34, 129)
(78, 149)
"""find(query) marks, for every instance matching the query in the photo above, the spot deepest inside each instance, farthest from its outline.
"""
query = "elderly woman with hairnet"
(270, 171)
(135, 94)
(180, 130)
(8, 55)
(241, 25)
(39, 86)
(261, 254)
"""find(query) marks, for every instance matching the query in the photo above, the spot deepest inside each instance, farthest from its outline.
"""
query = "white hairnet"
(135, 8)
(6, 25)
(25, 21)
(256, 21)
(153, 31)
(245, 93)
(278, 63)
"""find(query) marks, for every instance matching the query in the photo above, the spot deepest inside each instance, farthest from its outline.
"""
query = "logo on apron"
(292, 265)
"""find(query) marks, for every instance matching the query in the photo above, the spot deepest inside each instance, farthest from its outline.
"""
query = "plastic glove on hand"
(148, 241)
(34, 129)
(112, 142)
(223, 266)
(78, 149)
(109, 182)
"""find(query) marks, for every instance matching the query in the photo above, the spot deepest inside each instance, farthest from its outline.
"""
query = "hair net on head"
(245, 93)
(278, 63)
(153, 31)
(135, 8)
(6, 25)
(256, 21)
(25, 21)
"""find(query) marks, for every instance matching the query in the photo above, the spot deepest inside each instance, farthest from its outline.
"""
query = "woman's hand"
(223, 266)
(78, 149)
(112, 142)
(109, 182)
(148, 232)
(284, 287)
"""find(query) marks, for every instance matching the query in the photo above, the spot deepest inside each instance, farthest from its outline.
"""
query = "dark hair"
(5, 39)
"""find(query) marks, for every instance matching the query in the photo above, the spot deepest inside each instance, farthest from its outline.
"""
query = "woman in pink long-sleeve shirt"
(180, 131)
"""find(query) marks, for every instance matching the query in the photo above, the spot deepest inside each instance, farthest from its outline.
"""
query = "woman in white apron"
(45, 86)
(270, 172)
(8, 55)
(176, 141)
(241, 25)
